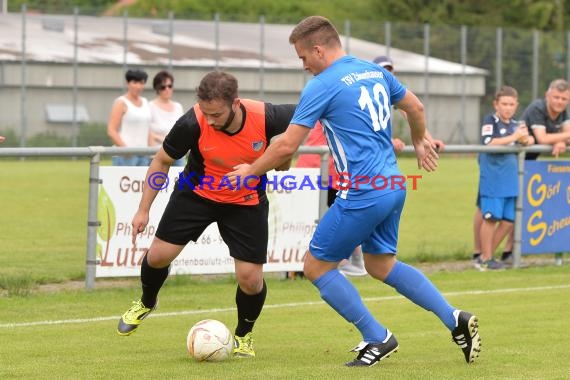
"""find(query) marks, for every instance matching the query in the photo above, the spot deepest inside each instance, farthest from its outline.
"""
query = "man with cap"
(385, 62)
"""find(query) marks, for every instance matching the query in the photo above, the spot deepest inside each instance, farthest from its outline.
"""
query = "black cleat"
(371, 353)
(466, 335)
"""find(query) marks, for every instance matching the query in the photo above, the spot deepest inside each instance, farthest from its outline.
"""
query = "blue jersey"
(497, 171)
(353, 100)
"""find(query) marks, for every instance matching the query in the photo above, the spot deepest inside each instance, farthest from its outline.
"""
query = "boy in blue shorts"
(498, 178)
(353, 101)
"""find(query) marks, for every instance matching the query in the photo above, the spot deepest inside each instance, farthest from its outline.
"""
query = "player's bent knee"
(160, 254)
(314, 268)
(251, 286)
(379, 266)
(250, 278)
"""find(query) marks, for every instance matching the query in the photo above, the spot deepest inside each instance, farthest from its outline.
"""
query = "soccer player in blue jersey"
(498, 174)
(353, 100)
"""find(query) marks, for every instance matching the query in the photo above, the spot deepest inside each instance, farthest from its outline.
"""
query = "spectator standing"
(498, 175)
(548, 119)
(129, 121)
(164, 111)
(549, 122)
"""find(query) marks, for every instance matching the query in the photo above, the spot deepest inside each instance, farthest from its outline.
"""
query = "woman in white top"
(129, 121)
(165, 112)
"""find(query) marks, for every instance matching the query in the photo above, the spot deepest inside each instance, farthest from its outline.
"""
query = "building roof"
(50, 38)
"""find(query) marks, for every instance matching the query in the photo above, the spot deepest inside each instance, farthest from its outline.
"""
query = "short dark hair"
(136, 75)
(506, 91)
(315, 30)
(159, 79)
(218, 85)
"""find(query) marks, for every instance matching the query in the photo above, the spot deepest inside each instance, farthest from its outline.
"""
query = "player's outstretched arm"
(279, 152)
(286, 165)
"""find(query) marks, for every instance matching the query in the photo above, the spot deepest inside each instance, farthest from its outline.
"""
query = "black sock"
(506, 255)
(152, 280)
(476, 255)
(248, 308)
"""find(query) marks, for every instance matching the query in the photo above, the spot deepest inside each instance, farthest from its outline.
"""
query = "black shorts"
(243, 228)
(331, 196)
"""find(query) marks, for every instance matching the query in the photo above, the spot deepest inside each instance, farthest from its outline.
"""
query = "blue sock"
(414, 285)
(342, 296)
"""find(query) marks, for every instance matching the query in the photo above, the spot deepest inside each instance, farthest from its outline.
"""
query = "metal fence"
(525, 59)
(95, 154)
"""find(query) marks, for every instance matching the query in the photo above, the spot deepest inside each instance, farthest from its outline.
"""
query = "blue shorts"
(498, 208)
(372, 223)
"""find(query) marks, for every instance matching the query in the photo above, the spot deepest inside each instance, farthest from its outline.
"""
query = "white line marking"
(276, 306)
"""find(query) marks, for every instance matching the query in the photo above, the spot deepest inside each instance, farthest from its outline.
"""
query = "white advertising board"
(293, 213)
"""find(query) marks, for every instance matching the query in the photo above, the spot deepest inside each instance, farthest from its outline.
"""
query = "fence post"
(23, 79)
(261, 57)
(125, 43)
(499, 60)
(387, 37)
(517, 244)
(74, 125)
(217, 40)
(170, 39)
(92, 222)
(535, 62)
(425, 94)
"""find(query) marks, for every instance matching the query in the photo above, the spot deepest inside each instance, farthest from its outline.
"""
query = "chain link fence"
(525, 59)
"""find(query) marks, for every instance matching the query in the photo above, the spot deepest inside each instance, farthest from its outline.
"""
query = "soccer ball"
(210, 340)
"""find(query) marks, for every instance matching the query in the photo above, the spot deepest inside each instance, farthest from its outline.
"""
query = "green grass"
(63, 333)
(44, 217)
(437, 220)
(522, 322)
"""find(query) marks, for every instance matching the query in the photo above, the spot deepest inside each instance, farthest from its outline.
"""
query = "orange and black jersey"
(214, 153)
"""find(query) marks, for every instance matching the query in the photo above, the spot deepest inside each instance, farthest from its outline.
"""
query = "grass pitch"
(56, 332)
(72, 334)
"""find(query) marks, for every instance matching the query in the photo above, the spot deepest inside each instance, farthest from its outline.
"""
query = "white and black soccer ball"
(210, 340)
